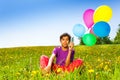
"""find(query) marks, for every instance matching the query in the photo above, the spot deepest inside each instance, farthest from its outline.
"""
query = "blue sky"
(41, 22)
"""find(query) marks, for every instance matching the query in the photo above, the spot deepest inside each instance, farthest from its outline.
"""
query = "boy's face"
(64, 41)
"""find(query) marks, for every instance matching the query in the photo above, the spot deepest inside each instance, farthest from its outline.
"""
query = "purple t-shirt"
(62, 55)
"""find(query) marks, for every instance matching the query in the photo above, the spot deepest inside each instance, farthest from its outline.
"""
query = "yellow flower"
(47, 74)
(33, 73)
(59, 70)
(101, 65)
(118, 59)
(11, 57)
(97, 76)
(91, 71)
(106, 67)
(107, 62)
(98, 59)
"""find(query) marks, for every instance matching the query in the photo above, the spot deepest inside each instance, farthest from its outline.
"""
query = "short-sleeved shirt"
(62, 55)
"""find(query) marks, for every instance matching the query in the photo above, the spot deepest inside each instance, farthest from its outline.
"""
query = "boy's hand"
(47, 69)
(71, 45)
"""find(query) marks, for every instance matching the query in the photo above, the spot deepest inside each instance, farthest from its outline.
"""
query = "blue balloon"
(101, 29)
(78, 30)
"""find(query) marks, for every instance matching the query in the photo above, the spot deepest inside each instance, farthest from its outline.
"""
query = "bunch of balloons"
(96, 22)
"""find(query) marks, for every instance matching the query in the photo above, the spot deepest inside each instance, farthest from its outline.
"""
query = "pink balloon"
(88, 17)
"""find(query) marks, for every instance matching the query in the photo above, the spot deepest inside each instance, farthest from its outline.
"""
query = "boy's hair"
(65, 34)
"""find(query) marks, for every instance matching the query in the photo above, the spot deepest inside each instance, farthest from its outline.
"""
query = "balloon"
(102, 13)
(78, 30)
(89, 39)
(101, 29)
(88, 17)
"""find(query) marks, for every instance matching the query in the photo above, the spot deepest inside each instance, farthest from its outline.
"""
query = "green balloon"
(89, 39)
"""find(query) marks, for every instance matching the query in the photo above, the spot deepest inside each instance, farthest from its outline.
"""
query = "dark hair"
(65, 34)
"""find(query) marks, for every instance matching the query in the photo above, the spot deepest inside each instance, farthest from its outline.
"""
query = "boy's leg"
(43, 61)
(57, 68)
(75, 64)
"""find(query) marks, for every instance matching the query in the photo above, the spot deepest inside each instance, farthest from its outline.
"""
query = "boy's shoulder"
(57, 47)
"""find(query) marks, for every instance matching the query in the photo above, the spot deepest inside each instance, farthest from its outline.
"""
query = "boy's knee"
(43, 61)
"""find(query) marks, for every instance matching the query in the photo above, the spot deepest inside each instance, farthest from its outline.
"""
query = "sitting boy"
(64, 55)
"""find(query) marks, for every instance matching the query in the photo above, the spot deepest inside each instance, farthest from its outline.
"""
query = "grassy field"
(102, 62)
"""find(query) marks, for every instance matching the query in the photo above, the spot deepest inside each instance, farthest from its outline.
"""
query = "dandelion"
(11, 57)
(47, 74)
(97, 75)
(33, 73)
(101, 65)
(91, 71)
(118, 59)
(106, 67)
(107, 62)
(98, 60)
(59, 70)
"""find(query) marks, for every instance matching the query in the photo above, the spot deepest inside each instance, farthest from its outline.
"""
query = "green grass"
(101, 62)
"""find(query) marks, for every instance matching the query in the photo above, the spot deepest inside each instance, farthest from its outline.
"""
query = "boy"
(64, 56)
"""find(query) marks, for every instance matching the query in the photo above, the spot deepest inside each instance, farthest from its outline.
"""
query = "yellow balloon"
(102, 13)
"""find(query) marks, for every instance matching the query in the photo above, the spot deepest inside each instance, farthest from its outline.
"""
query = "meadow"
(101, 62)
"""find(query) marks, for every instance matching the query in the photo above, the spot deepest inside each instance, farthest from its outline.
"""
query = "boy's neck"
(64, 48)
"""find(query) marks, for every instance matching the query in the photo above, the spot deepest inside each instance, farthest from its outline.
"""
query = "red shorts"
(57, 68)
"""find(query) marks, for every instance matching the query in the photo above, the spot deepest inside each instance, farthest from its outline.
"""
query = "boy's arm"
(67, 62)
(48, 67)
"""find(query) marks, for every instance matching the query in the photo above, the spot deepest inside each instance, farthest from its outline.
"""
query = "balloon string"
(88, 30)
